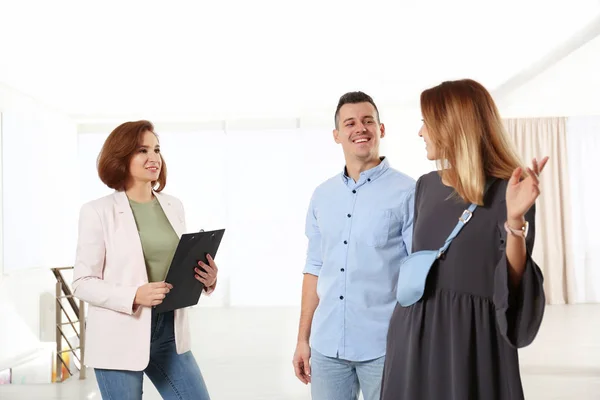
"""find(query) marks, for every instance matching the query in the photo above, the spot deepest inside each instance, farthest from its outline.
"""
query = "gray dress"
(459, 342)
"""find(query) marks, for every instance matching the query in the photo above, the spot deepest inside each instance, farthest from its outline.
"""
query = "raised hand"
(521, 194)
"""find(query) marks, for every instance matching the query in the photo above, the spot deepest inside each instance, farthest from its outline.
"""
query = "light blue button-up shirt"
(358, 232)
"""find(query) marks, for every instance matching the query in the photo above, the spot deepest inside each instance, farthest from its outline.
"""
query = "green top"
(159, 240)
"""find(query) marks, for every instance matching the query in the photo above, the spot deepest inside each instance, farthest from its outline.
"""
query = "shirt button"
(342, 269)
(349, 215)
(341, 297)
(369, 180)
(354, 191)
(345, 242)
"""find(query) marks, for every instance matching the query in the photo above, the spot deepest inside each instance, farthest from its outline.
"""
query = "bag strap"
(462, 221)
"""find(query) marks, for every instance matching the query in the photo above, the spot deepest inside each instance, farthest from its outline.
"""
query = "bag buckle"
(466, 216)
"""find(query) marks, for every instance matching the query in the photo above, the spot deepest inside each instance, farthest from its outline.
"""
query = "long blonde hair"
(465, 127)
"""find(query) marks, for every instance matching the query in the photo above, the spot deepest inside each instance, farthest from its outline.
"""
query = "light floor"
(246, 353)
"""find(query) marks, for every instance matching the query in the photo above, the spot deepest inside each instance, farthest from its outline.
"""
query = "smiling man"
(359, 228)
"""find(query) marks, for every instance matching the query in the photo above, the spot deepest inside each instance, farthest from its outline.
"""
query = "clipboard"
(192, 247)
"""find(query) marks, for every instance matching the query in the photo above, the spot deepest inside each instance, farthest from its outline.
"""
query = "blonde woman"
(484, 297)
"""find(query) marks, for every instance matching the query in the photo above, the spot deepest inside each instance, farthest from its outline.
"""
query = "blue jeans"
(175, 376)
(337, 379)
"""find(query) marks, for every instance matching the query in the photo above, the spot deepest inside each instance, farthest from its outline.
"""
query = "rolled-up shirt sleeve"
(314, 259)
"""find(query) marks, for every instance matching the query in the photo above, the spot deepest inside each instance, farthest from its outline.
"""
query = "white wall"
(402, 144)
(39, 189)
(1, 205)
(30, 293)
(583, 145)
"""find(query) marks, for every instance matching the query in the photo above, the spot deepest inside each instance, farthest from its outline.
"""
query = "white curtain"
(539, 137)
(583, 143)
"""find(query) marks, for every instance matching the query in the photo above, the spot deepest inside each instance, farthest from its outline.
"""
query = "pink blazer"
(109, 267)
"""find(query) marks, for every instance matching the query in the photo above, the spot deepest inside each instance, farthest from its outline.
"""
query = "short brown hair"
(466, 128)
(353, 98)
(117, 151)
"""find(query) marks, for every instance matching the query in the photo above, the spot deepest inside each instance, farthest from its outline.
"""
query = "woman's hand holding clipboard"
(195, 251)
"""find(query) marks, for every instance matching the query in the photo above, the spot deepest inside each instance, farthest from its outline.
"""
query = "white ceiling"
(570, 87)
(267, 58)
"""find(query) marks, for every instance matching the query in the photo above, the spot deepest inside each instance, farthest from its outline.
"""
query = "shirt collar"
(370, 174)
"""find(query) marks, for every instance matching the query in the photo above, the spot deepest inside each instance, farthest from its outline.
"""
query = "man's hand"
(302, 362)
(152, 294)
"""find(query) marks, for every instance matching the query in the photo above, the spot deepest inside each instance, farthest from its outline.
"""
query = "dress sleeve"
(519, 310)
